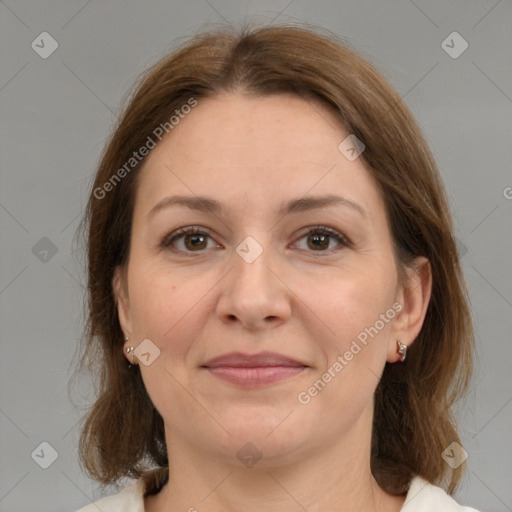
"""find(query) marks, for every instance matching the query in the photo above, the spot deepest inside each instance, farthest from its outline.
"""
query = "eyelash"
(342, 240)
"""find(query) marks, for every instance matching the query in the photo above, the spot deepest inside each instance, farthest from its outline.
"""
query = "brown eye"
(188, 240)
(318, 242)
(323, 239)
(195, 241)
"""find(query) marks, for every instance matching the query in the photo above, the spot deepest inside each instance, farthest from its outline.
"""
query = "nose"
(253, 295)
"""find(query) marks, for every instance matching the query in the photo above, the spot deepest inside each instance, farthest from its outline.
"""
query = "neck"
(337, 477)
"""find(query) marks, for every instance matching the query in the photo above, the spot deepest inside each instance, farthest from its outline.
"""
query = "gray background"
(57, 112)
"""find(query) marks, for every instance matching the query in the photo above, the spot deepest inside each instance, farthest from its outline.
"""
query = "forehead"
(257, 147)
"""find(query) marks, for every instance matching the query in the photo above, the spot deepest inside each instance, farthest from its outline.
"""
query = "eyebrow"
(304, 204)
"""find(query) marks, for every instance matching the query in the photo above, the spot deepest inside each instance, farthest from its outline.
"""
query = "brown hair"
(123, 435)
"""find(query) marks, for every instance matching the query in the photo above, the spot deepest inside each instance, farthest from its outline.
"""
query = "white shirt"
(422, 497)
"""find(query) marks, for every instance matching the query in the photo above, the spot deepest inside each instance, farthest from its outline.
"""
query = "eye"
(192, 239)
(186, 240)
(323, 239)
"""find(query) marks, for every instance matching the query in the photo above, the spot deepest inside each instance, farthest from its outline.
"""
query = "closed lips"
(253, 371)
(261, 360)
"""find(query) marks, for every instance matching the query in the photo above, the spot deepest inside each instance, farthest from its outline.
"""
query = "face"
(287, 257)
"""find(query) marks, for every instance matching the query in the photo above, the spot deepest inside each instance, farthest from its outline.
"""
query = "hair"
(123, 433)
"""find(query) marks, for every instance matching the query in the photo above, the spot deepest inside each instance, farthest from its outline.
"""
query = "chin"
(268, 441)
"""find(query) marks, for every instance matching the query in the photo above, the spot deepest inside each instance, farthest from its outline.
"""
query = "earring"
(402, 350)
(129, 350)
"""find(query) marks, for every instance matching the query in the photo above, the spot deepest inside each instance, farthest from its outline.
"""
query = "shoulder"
(425, 497)
(422, 497)
(130, 499)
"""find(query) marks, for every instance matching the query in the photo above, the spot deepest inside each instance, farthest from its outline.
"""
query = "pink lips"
(254, 370)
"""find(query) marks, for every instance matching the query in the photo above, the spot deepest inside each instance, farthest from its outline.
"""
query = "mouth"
(256, 370)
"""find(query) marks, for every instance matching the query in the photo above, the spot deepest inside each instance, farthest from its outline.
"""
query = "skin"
(254, 154)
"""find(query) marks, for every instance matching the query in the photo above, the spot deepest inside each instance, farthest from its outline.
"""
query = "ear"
(414, 296)
(120, 291)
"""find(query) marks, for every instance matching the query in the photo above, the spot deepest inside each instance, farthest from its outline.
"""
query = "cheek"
(168, 309)
(165, 308)
(358, 312)
(352, 300)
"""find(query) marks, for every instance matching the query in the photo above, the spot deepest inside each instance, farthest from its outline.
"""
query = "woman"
(278, 316)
